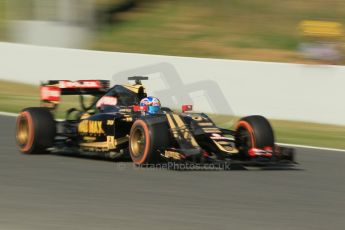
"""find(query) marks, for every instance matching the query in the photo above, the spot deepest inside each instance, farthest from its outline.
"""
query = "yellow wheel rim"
(22, 131)
(138, 142)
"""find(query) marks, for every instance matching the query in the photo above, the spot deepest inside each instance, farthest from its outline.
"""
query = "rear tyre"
(147, 136)
(253, 132)
(35, 130)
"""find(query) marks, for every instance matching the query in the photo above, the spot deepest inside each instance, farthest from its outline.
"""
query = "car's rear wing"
(52, 90)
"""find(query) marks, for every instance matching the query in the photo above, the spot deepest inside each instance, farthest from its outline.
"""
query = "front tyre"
(253, 132)
(35, 130)
(147, 136)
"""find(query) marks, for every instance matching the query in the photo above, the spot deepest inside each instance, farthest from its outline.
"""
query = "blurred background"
(267, 30)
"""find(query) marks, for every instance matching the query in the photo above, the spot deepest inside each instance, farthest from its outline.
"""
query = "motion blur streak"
(56, 192)
(203, 28)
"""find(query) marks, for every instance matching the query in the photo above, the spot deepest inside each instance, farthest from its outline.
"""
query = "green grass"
(2, 20)
(16, 96)
(237, 29)
(264, 30)
(309, 133)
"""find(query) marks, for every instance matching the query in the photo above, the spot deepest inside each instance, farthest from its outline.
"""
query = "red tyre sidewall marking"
(147, 141)
(248, 127)
(26, 115)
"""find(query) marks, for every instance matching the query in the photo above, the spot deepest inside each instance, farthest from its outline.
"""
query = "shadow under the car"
(172, 165)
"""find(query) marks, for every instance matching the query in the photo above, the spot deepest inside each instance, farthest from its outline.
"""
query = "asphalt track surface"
(58, 192)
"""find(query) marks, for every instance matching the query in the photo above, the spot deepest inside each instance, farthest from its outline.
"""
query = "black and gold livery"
(114, 122)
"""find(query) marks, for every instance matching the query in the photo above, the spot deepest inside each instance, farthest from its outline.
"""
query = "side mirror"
(187, 108)
(138, 108)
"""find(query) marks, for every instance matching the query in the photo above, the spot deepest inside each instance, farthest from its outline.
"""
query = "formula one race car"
(115, 122)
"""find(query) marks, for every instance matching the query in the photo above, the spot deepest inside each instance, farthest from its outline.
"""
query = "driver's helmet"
(152, 103)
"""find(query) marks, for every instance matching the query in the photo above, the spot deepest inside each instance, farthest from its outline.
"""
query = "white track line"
(311, 147)
(8, 114)
(283, 144)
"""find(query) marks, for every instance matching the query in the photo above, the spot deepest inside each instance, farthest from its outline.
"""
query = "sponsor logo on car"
(50, 93)
(79, 84)
(172, 154)
(216, 136)
(90, 127)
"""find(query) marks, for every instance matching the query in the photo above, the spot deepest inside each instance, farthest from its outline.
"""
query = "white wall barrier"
(282, 91)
